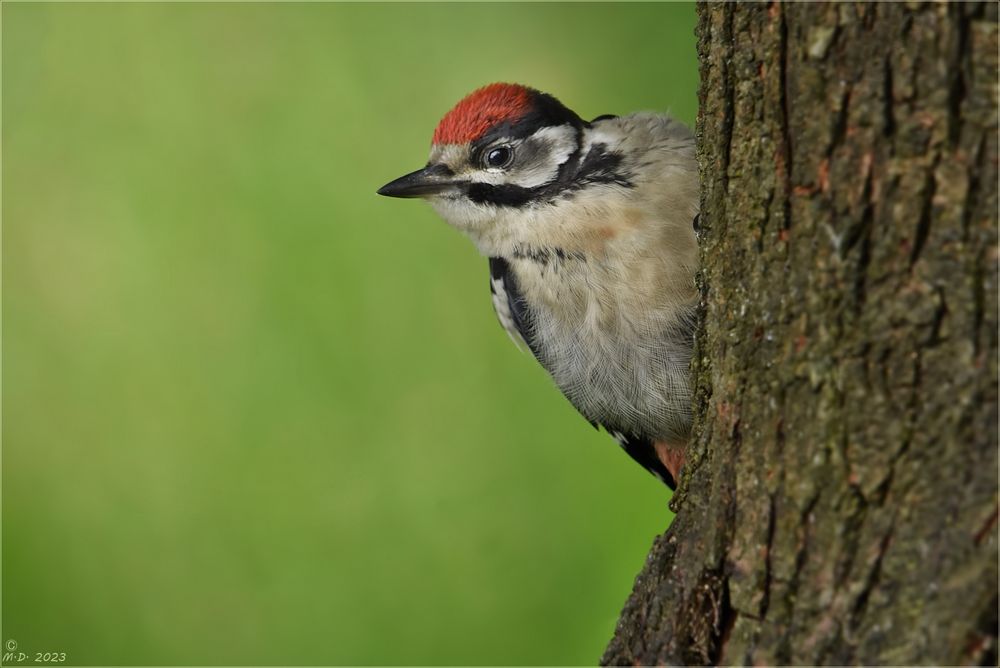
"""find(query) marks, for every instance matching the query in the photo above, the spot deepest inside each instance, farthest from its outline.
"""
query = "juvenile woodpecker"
(589, 231)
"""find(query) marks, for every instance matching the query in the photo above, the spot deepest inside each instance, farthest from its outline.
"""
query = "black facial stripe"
(502, 195)
(599, 166)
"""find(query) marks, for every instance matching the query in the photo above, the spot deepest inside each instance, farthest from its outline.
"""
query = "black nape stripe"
(601, 166)
(569, 168)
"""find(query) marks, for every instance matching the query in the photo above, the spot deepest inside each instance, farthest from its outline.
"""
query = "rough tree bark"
(840, 500)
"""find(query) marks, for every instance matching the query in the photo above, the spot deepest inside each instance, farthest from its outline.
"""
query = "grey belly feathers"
(632, 380)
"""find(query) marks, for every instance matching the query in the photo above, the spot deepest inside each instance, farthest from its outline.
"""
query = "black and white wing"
(510, 307)
(642, 451)
(515, 316)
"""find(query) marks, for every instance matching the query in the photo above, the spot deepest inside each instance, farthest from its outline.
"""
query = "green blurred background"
(255, 414)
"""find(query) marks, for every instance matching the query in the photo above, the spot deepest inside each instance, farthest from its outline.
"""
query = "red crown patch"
(482, 109)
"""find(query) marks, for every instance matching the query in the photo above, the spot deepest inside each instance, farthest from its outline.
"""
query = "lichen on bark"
(840, 499)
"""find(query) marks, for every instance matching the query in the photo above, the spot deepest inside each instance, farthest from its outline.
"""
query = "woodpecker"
(589, 231)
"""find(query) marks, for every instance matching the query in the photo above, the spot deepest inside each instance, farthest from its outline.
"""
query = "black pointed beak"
(431, 180)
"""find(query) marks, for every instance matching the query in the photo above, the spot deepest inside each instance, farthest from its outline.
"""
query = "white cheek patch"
(553, 146)
(602, 135)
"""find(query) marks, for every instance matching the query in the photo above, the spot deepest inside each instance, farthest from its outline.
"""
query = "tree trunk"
(840, 499)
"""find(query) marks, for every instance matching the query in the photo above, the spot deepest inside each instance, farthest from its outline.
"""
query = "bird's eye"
(501, 156)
